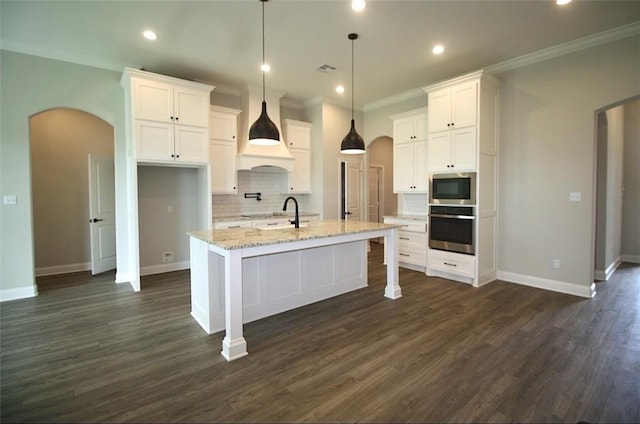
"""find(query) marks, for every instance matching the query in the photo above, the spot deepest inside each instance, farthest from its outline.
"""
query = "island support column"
(392, 290)
(234, 345)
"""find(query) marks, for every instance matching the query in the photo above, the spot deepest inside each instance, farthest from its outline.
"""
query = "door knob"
(96, 220)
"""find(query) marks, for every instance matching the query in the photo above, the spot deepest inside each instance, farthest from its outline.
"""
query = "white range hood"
(251, 156)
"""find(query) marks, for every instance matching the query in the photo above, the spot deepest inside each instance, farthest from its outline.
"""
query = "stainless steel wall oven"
(451, 228)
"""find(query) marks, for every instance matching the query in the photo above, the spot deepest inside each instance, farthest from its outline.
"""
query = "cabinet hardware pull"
(177, 118)
(447, 263)
(173, 156)
(171, 117)
(404, 254)
(404, 238)
(234, 226)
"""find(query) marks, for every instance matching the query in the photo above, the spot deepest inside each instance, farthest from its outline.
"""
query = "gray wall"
(547, 150)
(631, 206)
(30, 85)
(61, 141)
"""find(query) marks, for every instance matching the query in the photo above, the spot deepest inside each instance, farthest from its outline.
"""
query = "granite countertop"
(421, 218)
(239, 238)
(261, 215)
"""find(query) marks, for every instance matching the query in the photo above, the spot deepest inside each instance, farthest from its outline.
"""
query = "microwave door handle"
(452, 216)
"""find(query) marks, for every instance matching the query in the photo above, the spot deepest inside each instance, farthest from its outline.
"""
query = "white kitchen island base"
(276, 271)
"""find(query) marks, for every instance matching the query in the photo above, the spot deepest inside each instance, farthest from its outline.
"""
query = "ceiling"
(220, 41)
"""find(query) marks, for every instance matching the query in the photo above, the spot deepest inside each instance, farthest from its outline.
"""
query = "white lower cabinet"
(223, 225)
(449, 264)
(412, 243)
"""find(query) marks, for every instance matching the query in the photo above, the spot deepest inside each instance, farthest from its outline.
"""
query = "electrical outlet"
(10, 199)
(167, 257)
(556, 263)
(575, 196)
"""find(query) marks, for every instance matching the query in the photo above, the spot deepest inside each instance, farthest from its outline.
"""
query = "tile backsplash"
(413, 204)
(269, 184)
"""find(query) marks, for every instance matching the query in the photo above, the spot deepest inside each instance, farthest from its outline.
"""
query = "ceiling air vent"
(326, 68)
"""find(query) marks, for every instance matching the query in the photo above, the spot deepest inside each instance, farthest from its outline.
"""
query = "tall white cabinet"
(463, 137)
(410, 152)
(223, 147)
(297, 135)
(167, 124)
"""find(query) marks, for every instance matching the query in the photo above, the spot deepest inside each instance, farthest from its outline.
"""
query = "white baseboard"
(546, 284)
(15, 294)
(122, 277)
(634, 259)
(159, 269)
(63, 269)
(601, 275)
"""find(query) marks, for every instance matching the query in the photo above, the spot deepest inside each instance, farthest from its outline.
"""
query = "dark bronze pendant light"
(352, 144)
(264, 132)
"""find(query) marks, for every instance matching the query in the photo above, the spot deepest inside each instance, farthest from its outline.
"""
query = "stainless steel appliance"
(451, 228)
(453, 189)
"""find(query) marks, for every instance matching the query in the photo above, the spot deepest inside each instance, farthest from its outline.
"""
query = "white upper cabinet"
(223, 148)
(452, 151)
(297, 135)
(162, 102)
(410, 152)
(169, 118)
(453, 107)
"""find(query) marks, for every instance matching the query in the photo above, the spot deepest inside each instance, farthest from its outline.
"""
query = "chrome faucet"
(296, 221)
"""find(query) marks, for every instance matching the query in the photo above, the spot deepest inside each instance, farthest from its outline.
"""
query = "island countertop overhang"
(241, 238)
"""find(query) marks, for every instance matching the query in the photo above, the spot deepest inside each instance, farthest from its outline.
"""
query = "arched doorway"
(381, 198)
(61, 142)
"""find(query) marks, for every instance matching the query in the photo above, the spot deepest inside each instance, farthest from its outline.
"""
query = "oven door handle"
(433, 215)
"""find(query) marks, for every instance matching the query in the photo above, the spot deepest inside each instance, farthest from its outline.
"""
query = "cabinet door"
(224, 177)
(421, 166)
(300, 179)
(191, 144)
(439, 112)
(403, 131)
(223, 126)
(154, 141)
(464, 105)
(298, 137)
(439, 152)
(420, 127)
(152, 100)
(463, 149)
(191, 107)
(403, 167)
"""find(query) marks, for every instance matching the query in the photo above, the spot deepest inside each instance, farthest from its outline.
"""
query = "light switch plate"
(575, 196)
(10, 199)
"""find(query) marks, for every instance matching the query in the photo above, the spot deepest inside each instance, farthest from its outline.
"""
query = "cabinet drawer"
(231, 224)
(276, 222)
(408, 225)
(412, 256)
(411, 239)
(452, 262)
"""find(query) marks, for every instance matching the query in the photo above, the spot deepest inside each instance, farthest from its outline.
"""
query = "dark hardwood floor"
(88, 350)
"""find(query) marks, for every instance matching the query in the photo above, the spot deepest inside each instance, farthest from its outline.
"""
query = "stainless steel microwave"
(453, 189)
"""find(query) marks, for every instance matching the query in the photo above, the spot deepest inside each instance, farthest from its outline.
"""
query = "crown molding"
(566, 48)
(397, 98)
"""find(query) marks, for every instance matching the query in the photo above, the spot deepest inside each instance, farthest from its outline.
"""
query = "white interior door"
(353, 195)
(102, 214)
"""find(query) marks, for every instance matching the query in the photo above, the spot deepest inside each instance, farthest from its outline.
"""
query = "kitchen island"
(240, 275)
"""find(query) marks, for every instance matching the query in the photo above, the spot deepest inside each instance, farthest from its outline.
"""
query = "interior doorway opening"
(61, 143)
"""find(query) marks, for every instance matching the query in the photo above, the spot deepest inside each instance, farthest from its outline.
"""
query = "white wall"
(631, 206)
(61, 141)
(30, 85)
(547, 150)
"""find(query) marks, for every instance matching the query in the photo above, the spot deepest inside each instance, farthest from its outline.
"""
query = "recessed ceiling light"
(265, 67)
(150, 35)
(562, 2)
(438, 49)
(340, 89)
(358, 5)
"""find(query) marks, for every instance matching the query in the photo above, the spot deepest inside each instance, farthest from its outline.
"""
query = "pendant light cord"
(353, 87)
(263, 56)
